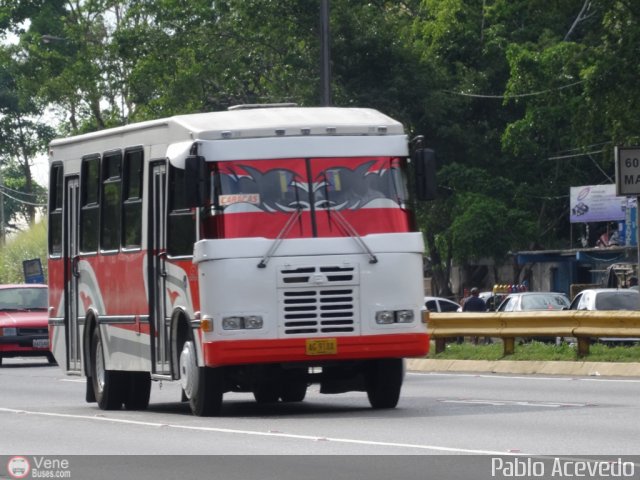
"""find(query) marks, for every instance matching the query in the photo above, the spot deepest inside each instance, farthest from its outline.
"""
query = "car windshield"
(544, 302)
(23, 298)
(619, 300)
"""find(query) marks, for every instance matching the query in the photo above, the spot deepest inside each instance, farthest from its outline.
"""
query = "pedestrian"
(474, 304)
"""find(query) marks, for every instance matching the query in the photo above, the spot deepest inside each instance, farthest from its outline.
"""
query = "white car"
(439, 304)
(608, 299)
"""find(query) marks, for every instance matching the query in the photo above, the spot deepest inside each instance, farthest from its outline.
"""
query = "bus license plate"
(322, 346)
(41, 343)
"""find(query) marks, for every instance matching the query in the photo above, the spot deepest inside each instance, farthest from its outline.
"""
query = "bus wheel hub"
(188, 370)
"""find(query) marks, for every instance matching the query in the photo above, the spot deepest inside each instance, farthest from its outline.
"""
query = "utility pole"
(325, 62)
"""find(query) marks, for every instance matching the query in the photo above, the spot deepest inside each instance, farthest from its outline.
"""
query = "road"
(42, 412)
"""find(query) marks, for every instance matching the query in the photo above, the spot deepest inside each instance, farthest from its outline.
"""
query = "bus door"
(72, 274)
(157, 272)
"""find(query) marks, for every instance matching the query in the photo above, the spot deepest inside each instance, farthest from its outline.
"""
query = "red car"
(24, 328)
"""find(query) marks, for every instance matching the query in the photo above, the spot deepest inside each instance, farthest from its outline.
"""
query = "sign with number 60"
(627, 171)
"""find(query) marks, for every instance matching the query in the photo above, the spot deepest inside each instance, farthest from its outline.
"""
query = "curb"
(594, 369)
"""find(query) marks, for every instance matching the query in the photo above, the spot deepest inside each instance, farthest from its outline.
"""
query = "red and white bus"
(251, 250)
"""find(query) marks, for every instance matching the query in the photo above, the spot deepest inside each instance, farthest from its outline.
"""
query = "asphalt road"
(42, 412)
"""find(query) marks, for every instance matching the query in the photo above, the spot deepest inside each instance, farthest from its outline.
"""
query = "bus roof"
(255, 123)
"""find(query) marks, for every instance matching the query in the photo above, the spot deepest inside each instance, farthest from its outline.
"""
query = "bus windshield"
(255, 197)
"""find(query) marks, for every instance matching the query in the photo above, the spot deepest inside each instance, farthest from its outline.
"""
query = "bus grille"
(318, 311)
(315, 275)
(318, 299)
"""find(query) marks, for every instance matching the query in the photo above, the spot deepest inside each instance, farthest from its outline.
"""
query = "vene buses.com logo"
(18, 467)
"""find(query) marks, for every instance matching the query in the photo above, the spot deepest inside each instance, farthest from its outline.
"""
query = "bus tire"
(384, 381)
(51, 359)
(266, 392)
(294, 391)
(107, 384)
(202, 386)
(138, 390)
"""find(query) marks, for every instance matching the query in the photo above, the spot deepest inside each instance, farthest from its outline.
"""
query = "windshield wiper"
(283, 233)
(344, 223)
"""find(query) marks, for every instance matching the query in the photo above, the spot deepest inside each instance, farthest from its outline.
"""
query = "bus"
(260, 249)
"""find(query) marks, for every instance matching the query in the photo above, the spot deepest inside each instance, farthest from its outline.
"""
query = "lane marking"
(514, 377)
(312, 438)
(502, 403)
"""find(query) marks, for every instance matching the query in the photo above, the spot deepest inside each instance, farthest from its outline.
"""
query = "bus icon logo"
(18, 467)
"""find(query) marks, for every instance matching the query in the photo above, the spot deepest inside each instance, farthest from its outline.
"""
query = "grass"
(537, 351)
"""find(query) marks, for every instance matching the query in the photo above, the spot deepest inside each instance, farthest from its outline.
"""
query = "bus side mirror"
(424, 161)
(196, 181)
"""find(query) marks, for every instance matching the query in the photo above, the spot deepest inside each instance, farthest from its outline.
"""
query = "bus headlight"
(404, 316)
(253, 322)
(387, 317)
(232, 323)
(238, 322)
(384, 317)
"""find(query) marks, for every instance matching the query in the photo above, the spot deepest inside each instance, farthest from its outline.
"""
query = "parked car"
(594, 299)
(533, 301)
(439, 304)
(530, 301)
(606, 299)
(24, 321)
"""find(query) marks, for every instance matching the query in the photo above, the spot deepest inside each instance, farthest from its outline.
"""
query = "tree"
(521, 99)
(22, 137)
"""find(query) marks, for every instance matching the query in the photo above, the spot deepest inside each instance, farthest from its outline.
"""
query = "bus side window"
(55, 209)
(181, 226)
(110, 204)
(90, 203)
(132, 199)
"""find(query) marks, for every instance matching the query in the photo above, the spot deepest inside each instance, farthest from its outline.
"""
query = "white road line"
(520, 377)
(502, 403)
(312, 438)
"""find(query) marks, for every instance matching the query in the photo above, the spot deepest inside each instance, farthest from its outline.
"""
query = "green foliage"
(26, 245)
(521, 99)
(537, 351)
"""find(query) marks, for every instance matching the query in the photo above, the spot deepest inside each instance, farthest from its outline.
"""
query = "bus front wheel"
(203, 387)
(384, 381)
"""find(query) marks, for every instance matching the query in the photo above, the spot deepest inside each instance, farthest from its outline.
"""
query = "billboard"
(597, 203)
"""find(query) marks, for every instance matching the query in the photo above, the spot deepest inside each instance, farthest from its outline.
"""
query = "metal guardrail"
(583, 325)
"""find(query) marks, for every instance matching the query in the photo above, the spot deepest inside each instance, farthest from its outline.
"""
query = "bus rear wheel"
(108, 385)
(138, 390)
(384, 381)
(265, 393)
(203, 387)
(294, 391)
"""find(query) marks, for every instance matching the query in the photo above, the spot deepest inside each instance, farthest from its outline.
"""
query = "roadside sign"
(627, 161)
(33, 271)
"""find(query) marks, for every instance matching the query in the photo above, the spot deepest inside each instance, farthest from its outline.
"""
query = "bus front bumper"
(311, 350)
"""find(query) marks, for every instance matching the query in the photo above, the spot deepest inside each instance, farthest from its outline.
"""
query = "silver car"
(529, 301)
